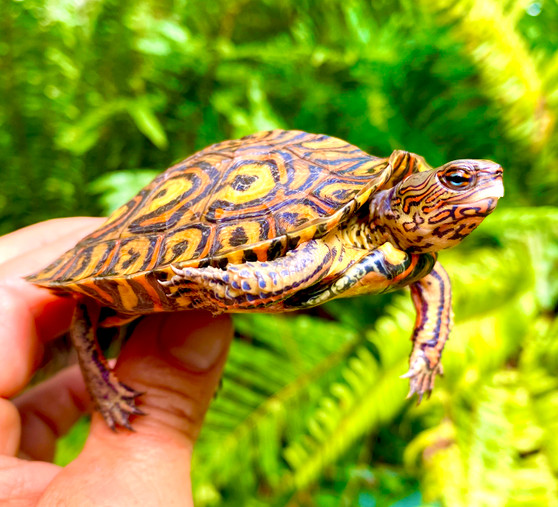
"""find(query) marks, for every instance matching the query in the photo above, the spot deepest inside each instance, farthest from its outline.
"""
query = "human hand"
(175, 359)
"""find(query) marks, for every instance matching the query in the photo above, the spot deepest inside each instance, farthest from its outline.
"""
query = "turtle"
(276, 221)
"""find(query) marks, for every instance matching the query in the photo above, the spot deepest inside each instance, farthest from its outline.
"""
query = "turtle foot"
(116, 402)
(421, 377)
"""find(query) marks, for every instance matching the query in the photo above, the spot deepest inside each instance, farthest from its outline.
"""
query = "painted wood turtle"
(274, 222)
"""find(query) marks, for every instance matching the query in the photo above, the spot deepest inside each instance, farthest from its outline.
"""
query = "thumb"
(176, 360)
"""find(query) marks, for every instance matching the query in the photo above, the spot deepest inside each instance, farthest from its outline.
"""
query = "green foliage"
(114, 189)
(93, 91)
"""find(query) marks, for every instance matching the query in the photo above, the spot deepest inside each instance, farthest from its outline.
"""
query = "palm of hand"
(177, 369)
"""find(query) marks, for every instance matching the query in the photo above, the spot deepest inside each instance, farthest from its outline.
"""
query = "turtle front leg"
(370, 272)
(432, 299)
(113, 399)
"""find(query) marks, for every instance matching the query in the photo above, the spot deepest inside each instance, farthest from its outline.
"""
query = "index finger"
(36, 247)
(42, 234)
(31, 315)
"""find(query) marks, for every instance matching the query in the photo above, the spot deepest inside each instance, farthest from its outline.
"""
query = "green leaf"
(147, 123)
(118, 187)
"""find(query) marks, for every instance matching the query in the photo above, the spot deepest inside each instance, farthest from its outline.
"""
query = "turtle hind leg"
(114, 400)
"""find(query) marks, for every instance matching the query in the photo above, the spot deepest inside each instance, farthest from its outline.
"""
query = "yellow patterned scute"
(249, 199)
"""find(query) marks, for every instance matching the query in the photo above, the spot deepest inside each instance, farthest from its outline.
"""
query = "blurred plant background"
(96, 96)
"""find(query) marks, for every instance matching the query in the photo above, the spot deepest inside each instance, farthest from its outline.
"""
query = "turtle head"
(436, 209)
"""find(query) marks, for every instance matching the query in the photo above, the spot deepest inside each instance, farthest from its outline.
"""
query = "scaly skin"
(432, 299)
(115, 400)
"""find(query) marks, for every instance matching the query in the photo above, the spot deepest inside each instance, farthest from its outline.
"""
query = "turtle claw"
(174, 280)
(116, 402)
(177, 271)
(179, 279)
(421, 377)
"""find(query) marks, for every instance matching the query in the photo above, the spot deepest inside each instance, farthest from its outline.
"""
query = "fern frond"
(495, 307)
(363, 398)
(507, 68)
(487, 452)
(268, 386)
(533, 234)
(496, 433)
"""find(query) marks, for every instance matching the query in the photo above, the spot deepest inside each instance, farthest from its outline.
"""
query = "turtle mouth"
(486, 206)
(484, 203)
(490, 194)
(497, 187)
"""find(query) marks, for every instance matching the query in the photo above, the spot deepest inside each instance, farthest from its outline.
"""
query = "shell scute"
(247, 199)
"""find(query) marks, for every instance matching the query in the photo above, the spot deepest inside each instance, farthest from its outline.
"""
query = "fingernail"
(200, 345)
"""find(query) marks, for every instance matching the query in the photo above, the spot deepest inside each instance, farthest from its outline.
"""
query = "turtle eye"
(457, 179)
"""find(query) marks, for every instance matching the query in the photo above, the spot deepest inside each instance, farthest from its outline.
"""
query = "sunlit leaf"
(147, 123)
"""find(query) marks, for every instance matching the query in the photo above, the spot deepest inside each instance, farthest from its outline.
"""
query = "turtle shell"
(249, 199)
